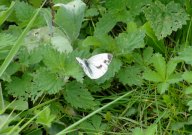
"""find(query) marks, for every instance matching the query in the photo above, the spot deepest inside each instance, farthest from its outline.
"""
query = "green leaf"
(152, 76)
(171, 66)
(187, 76)
(5, 14)
(136, 6)
(130, 75)
(7, 40)
(159, 65)
(190, 105)
(19, 87)
(151, 130)
(127, 42)
(19, 105)
(45, 117)
(165, 19)
(47, 81)
(162, 87)
(69, 17)
(78, 96)
(186, 55)
(188, 90)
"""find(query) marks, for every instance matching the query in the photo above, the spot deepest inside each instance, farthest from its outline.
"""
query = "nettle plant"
(149, 41)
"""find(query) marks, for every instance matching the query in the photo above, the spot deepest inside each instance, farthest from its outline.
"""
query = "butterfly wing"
(98, 65)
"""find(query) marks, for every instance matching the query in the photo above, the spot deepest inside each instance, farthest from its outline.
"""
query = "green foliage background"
(147, 89)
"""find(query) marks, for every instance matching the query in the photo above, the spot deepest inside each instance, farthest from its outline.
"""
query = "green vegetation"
(146, 91)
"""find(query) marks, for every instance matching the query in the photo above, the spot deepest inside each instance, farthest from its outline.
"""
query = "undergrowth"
(146, 90)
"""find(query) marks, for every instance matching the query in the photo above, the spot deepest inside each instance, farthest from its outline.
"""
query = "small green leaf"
(190, 105)
(151, 130)
(188, 90)
(162, 87)
(187, 76)
(45, 117)
(186, 55)
(159, 65)
(78, 96)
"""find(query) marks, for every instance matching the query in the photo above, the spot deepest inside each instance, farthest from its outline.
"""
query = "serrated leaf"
(47, 82)
(130, 75)
(159, 65)
(187, 76)
(78, 96)
(165, 18)
(127, 42)
(113, 68)
(69, 17)
(116, 5)
(19, 87)
(7, 40)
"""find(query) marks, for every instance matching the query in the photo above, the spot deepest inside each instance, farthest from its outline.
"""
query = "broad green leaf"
(162, 87)
(186, 55)
(78, 96)
(127, 42)
(174, 78)
(130, 75)
(159, 65)
(137, 131)
(116, 5)
(165, 19)
(152, 76)
(70, 17)
(187, 76)
(46, 118)
(7, 40)
(47, 82)
(5, 14)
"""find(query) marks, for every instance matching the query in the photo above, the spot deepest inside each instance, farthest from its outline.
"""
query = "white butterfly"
(97, 65)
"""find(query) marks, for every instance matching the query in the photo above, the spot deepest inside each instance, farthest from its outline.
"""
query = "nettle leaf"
(130, 75)
(165, 19)
(113, 68)
(116, 5)
(78, 96)
(19, 87)
(73, 12)
(127, 42)
(47, 81)
(186, 55)
(63, 64)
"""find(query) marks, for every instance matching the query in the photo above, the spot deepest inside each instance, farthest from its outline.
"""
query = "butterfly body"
(96, 66)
